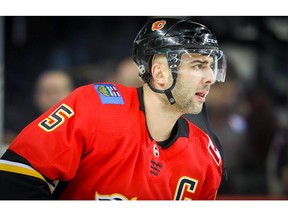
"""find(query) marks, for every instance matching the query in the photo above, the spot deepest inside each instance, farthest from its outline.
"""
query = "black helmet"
(173, 37)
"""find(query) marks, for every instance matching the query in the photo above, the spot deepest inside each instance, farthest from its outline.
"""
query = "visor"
(216, 60)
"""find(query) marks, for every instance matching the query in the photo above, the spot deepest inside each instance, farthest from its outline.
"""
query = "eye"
(212, 66)
(197, 66)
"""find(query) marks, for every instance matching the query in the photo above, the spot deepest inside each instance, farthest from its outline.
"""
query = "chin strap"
(173, 62)
(167, 92)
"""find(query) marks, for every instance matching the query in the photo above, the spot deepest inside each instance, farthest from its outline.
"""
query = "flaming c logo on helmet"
(158, 25)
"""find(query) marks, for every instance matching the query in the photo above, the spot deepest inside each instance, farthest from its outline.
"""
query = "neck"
(160, 116)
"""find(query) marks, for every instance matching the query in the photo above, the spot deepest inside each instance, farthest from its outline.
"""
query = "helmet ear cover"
(173, 58)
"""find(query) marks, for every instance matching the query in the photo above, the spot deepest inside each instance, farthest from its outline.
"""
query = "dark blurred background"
(248, 112)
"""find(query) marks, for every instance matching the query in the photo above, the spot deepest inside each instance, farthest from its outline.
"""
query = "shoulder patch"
(109, 94)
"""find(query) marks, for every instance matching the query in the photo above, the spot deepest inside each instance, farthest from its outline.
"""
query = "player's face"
(194, 78)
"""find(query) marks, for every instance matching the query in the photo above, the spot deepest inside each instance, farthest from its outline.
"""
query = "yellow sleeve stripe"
(23, 169)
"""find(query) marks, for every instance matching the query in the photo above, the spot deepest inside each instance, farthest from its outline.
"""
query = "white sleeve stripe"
(15, 166)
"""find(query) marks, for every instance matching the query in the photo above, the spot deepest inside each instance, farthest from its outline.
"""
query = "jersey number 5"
(56, 118)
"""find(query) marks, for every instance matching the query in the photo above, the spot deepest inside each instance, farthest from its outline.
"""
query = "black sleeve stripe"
(10, 155)
(14, 186)
(23, 169)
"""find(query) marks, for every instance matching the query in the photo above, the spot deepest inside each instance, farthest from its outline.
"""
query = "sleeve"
(19, 181)
(49, 149)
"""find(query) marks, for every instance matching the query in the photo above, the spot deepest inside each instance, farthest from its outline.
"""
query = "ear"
(158, 74)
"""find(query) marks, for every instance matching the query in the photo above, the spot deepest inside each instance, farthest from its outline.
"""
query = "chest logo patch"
(111, 197)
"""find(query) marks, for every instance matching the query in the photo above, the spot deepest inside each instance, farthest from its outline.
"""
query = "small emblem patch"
(158, 25)
(109, 94)
(156, 150)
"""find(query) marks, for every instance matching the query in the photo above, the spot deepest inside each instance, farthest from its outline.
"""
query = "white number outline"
(57, 118)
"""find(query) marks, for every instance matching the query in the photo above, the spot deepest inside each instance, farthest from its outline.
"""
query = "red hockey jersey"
(96, 140)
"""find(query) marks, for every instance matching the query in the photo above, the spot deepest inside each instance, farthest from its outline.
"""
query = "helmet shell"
(160, 35)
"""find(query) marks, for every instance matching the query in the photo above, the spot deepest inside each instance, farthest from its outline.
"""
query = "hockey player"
(106, 141)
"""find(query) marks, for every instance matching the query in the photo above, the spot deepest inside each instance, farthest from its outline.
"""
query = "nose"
(209, 77)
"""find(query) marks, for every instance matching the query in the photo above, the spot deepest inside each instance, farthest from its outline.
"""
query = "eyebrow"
(198, 61)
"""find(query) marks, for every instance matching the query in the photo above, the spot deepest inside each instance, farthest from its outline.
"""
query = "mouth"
(201, 95)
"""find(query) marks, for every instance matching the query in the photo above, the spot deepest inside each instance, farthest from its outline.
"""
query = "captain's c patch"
(109, 94)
